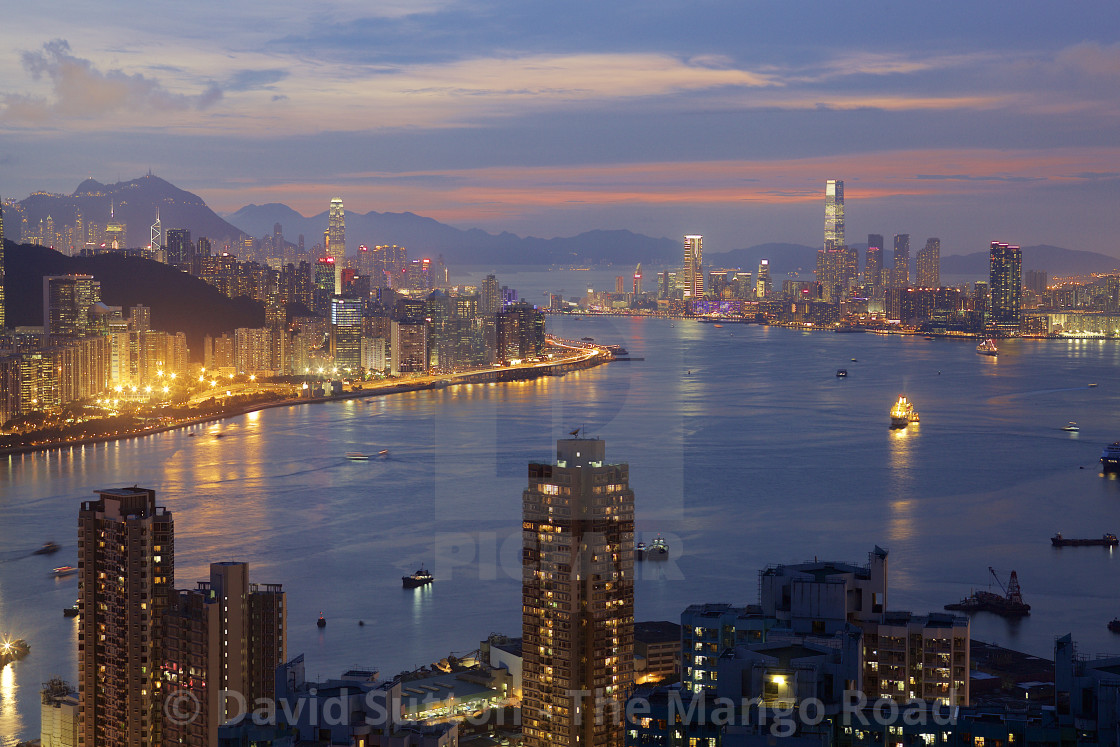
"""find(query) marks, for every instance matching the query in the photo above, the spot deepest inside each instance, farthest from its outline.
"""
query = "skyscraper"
(901, 273)
(929, 264)
(693, 266)
(3, 318)
(180, 249)
(336, 230)
(126, 566)
(346, 333)
(577, 592)
(1005, 270)
(66, 304)
(833, 214)
(489, 299)
(763, 285)
(157, 240)
(638, 280)
(873, 267)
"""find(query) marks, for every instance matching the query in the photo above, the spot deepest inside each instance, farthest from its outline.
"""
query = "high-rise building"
(577, 597)
(157, 241)
(180, 250)
(519, 331)
(638, 280)
(58, 724)
(336, 230)
(115, 231)
(126, 566)
(1005, 270)
(3, 317)
(693, 266)
(67, 300)
(489, 300)
(901, 272)
(1035, 280)
(226, 636)
(346, 333)
(833, 214)
(929, 264)
(873, 267)
(763, 285)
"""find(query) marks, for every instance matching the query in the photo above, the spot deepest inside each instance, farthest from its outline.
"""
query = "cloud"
(251, 80)
(81, 91)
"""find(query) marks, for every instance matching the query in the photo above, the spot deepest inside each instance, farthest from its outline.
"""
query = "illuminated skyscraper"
(3, 318)
(126, 567)
(763, 286)
(1005, 275)
(638, 280)
(66, 304)
(115, 231)
(693, 266)
(346, 333)
(873, 267)
(833, 214)
(336, 230)
(929, 264)
(577, 596)
(490, 300)
(901, 273)
(180, 249)
(157, 240)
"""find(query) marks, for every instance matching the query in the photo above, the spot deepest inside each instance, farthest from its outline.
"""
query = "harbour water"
(744, 448)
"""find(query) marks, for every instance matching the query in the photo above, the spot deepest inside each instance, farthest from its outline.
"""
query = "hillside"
(179, 302)
(1053, 259)
(135, 204)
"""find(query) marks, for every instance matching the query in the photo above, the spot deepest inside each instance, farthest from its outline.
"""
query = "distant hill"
(179, 302)
(1053, 259)
(135, 204)
(784, 258)
(426, 236)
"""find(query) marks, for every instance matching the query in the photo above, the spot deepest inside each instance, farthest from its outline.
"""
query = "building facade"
(1005, 277)
(693, 266)
(833, 214)
(929, 264)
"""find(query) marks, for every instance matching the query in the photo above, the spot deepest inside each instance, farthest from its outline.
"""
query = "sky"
(971, 121)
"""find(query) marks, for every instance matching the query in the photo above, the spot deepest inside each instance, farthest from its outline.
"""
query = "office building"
(226, 635)
(408, 345)
(901, 270)
(67, 304)
(763, 284)
(833, 214)
(693, 266)
(180, 249)
(126, 566)
(929, 264)
(1005, 270)
(638, 280)
(346, 333)
(489, 299)
(577, 597)
(873, 266)
(336, 230)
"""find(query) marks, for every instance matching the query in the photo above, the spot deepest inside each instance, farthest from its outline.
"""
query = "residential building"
(693, 266)
(1006, 283)
(901, 272)
(929, 264)
(68, 301)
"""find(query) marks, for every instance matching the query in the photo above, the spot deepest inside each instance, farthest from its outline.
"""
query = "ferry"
(63, 570)
(48, 548)
(1110, 457)
(356, 456)
(422, 577)
(383, 452)
(903, 413)
(988, 347)
(1072, 427)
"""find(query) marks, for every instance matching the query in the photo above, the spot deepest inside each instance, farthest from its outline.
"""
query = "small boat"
(1071, 428)
(12, 650)
(1114, 626)
(322, 622)
(1093, 385)
(71, 611)
(927, 337)
(640, 551)
(63, 571)
(718, 325)
(48, 548)
(191, 435)
(841, 373)
(903, 413)
(1107, 540)
(854, 360)
(658, 549)
(422, 577)
(988, 347)
(383, 452)
(218, 435)
(1110, 457)
(356, 456)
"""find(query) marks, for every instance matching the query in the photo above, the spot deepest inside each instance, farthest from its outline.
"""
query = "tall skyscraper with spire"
(157, 241)
(693, 266)
(3, 318)
(833, 214)
(577, 596)
(336, 230)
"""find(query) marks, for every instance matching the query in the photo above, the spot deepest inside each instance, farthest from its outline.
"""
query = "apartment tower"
(577, 597)
(693, 266)
(929, 264)
(126, 567)
(1005, 275)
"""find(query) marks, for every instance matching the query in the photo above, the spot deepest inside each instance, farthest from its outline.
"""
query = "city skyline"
(593, 122)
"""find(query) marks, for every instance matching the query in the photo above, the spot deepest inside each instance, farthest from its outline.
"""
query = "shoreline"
(495, 375)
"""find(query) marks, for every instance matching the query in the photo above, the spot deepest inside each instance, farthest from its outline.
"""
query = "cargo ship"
(1010, 604)
(903, 413)
(422, 577)
(1107, 540)
(1110, 457)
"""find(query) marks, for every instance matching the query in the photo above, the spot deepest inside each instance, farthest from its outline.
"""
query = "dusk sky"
(971, 121)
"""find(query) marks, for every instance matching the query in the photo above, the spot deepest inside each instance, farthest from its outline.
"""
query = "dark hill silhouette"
(179, 302)
(135, 204)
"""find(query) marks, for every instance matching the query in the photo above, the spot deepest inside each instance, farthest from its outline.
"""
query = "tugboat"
(322, 621)
(1108, 540)
(658, 549)
(1110, 457)
(903, 413)
(988, 347)
(48, 548)
(1011, 604)
(422, 577)
(1114, 626)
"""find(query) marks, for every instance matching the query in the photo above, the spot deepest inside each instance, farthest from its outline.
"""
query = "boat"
(587, 339)
(1093, 385)
(854, 360)
(422, 577)
(321, 622)
(1114, 626)
(988, 347)
(841, 373)
(13, 650)
(356, 456)
(903, 413)
(640, 551)
(1107, 540)
(383, 452)
(718, 325)
(928, 337)
(63, 570)
(71, 611)
(48, 548)
(1010, 604)
(1110, 457)
(1071, 428)
(658, 549)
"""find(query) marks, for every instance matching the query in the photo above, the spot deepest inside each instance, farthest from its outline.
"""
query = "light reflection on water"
(744, 449)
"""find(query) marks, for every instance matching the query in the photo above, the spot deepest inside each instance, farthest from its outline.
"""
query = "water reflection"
(11, 723)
